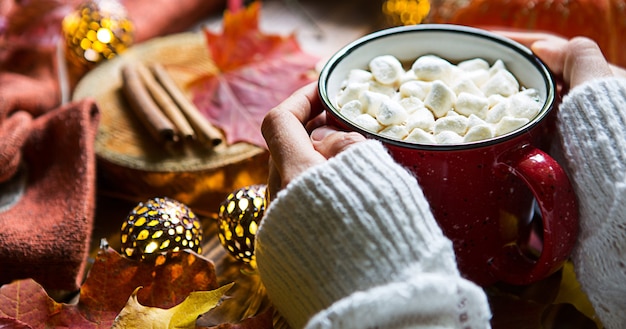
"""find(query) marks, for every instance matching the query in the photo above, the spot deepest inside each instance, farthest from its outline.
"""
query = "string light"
(238, 220)
(405, 12)
(158, 226)
(98, 30)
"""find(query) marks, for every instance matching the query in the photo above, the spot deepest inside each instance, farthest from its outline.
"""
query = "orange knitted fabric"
(47, 199)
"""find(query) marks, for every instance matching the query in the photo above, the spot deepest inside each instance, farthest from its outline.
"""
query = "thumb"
(584, 61)
(577, 60)
(551, 54)
(330, 142)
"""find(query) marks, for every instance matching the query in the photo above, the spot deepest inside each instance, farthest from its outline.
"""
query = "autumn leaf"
(553, 303)
(256, 71)
(167, 282)
(181, 316)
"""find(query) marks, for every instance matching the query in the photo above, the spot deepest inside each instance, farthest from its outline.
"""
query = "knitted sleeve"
(592, 123)
(352, 243)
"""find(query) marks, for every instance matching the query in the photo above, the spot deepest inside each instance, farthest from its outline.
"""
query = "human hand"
(576, 60)
(298, 138)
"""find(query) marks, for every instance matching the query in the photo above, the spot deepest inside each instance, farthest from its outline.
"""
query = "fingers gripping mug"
(482, 193)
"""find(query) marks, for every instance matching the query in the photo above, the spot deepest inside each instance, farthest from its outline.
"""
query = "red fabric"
(45, 234)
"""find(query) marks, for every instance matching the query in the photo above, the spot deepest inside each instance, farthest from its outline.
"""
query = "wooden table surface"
(321, 27)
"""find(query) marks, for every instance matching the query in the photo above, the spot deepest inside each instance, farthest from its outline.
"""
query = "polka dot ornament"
(238, 220)
(158, 226)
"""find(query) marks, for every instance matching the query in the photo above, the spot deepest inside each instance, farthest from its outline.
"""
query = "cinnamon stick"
(165, 102)
(206, 131)
(148, 112)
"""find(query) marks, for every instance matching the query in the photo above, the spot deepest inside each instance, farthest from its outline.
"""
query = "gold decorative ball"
(158, 226)
(405, 12)
(238, 220)
(98, 30)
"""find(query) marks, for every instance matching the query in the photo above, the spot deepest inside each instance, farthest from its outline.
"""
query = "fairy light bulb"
(98, 30)
(158, 226)
(405, 12)
(238, 219)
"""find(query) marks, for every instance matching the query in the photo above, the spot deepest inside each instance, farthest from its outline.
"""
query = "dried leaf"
(183, 315)
(570, 293)
(553, 303)
(257, 71)
(167, 282)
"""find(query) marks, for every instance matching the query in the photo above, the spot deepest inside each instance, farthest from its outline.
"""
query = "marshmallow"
(474, 64)
(497, 112)
(478, 133)
(422, 119)
(497, 66)
(509, 124)
(386, 69)
(391, 113)
(465, 85)
(408, 76)
(371, 101)
(431, 68)
(501, 82)
(469, 104)
(448, 137)
(382, 89)
(495, 100)
(417, 135)
(395, 131)
(351, 92)
(440, 99)
(351, 109)
(474, 120)
(359, 76)
(524, 105)
(415, 88)
(412, 104)
(454, 123)
(368, 122)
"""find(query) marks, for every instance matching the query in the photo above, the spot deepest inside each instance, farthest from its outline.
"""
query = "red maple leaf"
(256, 72)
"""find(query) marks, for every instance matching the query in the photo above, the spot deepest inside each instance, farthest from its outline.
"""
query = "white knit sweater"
(592, 123)
(352, 243)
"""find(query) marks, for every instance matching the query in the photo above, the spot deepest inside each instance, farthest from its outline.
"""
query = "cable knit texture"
(398, 271)
(592, 121)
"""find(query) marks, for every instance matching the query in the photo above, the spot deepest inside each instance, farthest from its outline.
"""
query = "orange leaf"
(167, 282)
(257, 71)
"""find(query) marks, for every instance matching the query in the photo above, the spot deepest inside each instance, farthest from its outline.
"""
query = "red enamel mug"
(505, 203)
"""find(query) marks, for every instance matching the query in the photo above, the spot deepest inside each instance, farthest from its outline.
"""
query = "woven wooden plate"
(133, 164)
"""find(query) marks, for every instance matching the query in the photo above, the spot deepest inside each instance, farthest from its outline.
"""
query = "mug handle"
(557, 202)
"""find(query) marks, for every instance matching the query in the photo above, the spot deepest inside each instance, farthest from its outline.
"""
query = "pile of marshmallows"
(435, 101)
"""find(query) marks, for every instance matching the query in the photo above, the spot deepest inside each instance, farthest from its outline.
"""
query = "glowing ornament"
(98, 30)
(405, 12)
(158, 226)
(238, 220)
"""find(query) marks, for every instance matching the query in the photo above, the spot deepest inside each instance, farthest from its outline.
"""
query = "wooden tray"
(132, 164)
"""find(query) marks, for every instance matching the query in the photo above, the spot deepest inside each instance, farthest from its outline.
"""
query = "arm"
(592, 121)
(592, 129)
(350, 242)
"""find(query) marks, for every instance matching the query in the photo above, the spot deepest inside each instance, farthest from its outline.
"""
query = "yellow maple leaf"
(181, 316)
